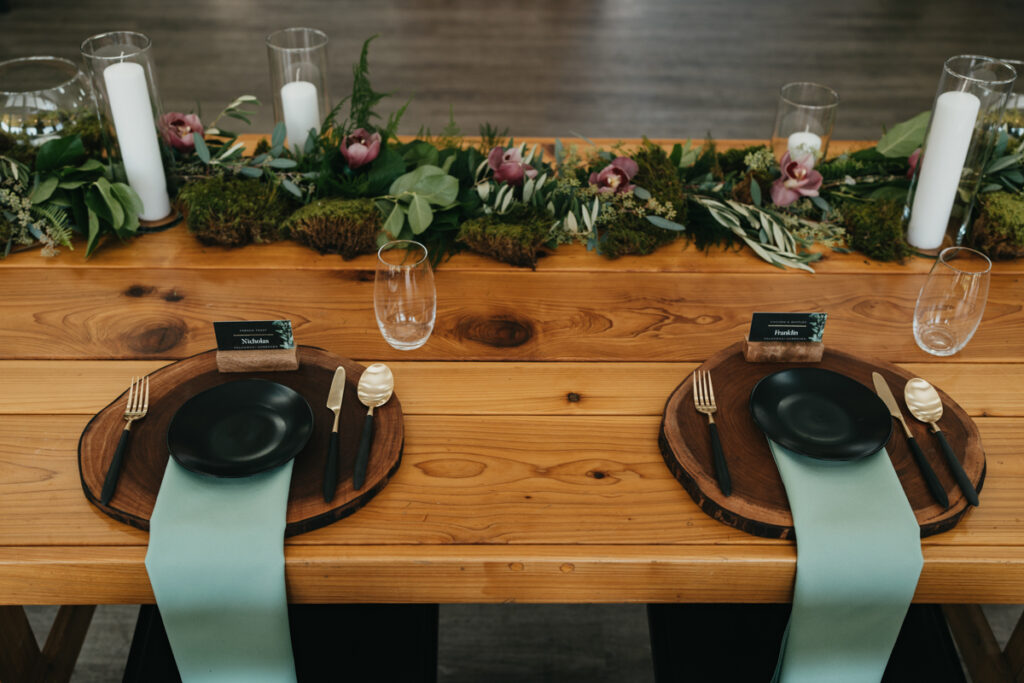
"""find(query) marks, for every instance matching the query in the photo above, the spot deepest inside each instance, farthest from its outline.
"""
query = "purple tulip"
(614, 178)
(360, 147)
(798, 179)
(508, 166)
(177, 130)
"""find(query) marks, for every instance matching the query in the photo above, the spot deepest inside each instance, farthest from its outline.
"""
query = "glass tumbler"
(804, 120)
(952, 301)
(404, 299)
(298, 82)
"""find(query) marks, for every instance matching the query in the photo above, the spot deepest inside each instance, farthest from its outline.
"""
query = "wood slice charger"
(147, 454)
(758, 504)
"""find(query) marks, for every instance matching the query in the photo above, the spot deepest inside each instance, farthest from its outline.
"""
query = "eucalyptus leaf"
(250, 172)
(902, 139)
(202, 151)
(665, 223)
(559, 152)
(405, 183)
(641, 193)
(277, 137)
(1004, 162)
(282, 163)
(291, 188)
(396, 219)
(420, 214)
(755, 193)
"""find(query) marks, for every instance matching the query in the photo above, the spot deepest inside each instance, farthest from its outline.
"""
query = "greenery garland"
(356, 185)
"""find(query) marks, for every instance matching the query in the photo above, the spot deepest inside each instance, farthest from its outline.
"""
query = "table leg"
(983, 659)
(21, 658)
(20, 651)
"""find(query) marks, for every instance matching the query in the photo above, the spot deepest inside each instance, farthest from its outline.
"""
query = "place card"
(785, 338)
(255, 346)
(787, 327)
(247, 335)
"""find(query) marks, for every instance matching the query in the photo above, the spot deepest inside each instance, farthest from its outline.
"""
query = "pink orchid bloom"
(614, 178)
(798, 179)
(177, 130)
(360, 147)
(913, 161)
(508, 166)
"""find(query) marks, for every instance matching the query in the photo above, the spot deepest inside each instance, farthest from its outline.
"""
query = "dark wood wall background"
(605, 68)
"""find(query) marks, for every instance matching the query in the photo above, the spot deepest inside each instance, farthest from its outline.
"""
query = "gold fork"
(704, 402)
(135, 409)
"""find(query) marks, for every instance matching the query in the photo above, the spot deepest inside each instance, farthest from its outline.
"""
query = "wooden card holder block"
(258, 360)
(783, 352)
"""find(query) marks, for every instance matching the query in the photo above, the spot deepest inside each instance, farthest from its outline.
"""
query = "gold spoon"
(374, 390)
(926, 406)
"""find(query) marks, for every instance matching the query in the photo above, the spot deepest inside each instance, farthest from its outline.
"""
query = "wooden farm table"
(531, 470)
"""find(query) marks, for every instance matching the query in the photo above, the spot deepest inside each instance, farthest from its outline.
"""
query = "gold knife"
(885, 393)
(334, 397)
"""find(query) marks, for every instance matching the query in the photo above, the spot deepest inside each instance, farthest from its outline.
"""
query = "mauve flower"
(177, 130)
(360, 148)
(508, 166)
(912, 162)
(798, 180)
(614, 178)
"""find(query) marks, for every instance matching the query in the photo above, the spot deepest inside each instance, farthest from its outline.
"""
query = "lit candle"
(136, 137)
(804, 144)
(938, 177)
(301, 112)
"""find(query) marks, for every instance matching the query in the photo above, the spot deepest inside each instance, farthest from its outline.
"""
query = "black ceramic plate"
(820, 413)
(240, 428)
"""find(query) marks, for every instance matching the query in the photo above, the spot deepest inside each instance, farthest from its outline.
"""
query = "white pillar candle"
(802, 145)
(938, 178)
(301, 112)
(136, 137)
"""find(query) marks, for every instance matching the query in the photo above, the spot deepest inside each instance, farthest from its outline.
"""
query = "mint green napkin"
(216, 564)
(858, 561)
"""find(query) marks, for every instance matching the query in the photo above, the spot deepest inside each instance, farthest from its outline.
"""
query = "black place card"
(803, 327)
(254, 334)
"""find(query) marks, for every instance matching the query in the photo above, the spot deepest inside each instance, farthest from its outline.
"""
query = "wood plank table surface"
(531, 470)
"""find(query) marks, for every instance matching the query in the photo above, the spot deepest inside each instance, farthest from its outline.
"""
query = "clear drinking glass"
(804, 120)
(404, 298)
(952, 301)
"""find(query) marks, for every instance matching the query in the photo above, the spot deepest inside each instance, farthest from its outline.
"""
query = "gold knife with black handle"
(883, 391)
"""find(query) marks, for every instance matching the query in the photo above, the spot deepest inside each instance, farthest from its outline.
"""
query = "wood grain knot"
(516, 566)
(573, 397)
(157, 336)
(596, 474)
(501, 331)
(173, 296)
(364, 276)
(568, 568)
(138, 291)
(451, 468)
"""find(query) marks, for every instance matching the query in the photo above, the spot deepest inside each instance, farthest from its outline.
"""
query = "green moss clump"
(514, 237)
(6, 229)
(13, 148)
(232, 212)
(632, 234)
(999, 229)
(336, 226)
(658, 175)
(876, 229)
